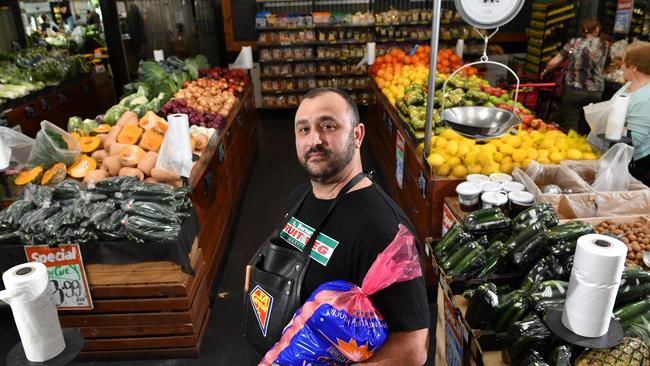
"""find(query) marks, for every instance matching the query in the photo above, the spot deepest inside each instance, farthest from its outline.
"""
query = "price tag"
(448, 219)
(65, 270)
(453, 330)
(399, 157)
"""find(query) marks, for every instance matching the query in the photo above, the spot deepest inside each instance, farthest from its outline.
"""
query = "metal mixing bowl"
(480, 122)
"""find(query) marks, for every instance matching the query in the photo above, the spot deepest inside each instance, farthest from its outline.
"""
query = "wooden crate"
(144, 310)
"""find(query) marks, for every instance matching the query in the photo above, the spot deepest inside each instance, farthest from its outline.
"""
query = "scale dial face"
(488, 14)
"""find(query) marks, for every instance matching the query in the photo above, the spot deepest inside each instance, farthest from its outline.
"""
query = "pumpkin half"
(29, 176)
(81, 166)
(54, 175)
(89, 143)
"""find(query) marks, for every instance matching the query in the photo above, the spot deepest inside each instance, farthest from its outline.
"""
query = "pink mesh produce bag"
(339, 325)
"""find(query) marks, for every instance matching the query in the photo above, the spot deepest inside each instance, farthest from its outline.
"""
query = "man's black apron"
(274, 280)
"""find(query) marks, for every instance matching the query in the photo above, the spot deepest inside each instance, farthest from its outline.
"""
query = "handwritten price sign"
(67, 275)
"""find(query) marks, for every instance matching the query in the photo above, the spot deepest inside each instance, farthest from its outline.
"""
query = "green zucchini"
(486, 220)
(530, 250)
(626, 313)
(568, 232)
(540, 213)
(512, 307)
(481, 306)
(472, 263)
(527, 235)
(629, 293)
(495, 262)
(461, 253)
(561, 356)
(529, 334)
(532, 358)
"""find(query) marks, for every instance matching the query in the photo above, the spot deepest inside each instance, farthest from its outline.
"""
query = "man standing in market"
(358, 219)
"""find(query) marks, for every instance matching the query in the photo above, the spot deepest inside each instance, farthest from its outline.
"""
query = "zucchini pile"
(119, 208)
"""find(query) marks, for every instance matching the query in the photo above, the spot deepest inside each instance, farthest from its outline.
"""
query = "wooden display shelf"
(422, 194)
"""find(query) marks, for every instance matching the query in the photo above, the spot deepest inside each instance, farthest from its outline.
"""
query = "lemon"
(435, 160)
(496, 143)
(489, 148)
(462, 149)
(543, 153)
(532, 153)
(584, 147)
(497, 156)
(589, 156)
(526, 162)
(453, 161)
(526, 145)
(471, 158)
(514, 141)
(506, 167)
(450, 134)
(489, 169)
(555, 157)
(420, 148)
(574, 154)
(474, 169)
(507, 160)
(506, 149)
(452, 147)
(485, 158)
(443, 170)
(459, 171)
(522, 133)
(535, 134)
(548, 142)
(543, 160)
(516, 164)
(519, 155)
(562, 144)
(441, 142)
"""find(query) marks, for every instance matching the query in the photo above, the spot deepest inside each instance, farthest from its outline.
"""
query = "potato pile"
(635, 235)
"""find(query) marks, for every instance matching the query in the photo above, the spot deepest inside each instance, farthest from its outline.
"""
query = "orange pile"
(448, 62)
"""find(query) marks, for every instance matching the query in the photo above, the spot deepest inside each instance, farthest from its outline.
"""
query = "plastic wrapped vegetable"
(40, 195)
(459, 255)
(112, 185)
(496, 259)
(532, 358)
(101, 212)
(524, 336)
(182, 199)
(74, 123)
(548, 294)
(568, 232)
(153, 192)
(486, 220)
(635, 285)
(482, 305)
(9, 237)
(455, 237)
(513, 306)
(12, 216)
(470, 264)
(141, 229)
(155, 211)
(113, 229)
(561, 356)
(32, 227)
(67, 190)
(339, 324)
(543, 212)
(528, 246)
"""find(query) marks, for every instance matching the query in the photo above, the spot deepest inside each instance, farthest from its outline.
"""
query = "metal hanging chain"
(486, 38)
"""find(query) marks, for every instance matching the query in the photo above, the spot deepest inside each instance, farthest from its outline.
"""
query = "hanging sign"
(65, 270)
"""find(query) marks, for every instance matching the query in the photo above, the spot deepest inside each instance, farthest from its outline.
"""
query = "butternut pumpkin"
(131, 172)
(200, 142)
(117, 148)
(128, 118)
(55, 175)
(109, 142)
(89, 144)
(162, 175)
(29, 176)
(151, 140)
(131, 156)
(99, 156)
(112, 164)
(81, 166)
(103, 128)
(115, 130)
(102, 137)
(95, 176)
(148, 163)
(151, 121)
(129, 135)
(151, 180)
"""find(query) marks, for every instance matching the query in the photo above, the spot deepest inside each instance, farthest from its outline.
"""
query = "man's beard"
(336, 164)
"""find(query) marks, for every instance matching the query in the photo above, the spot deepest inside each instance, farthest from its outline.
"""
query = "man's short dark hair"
(352, 106)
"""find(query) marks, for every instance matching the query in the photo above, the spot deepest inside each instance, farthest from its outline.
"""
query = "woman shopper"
(584, 81)
(636, 71)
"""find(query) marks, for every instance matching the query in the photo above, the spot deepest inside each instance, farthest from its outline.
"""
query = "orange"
(394, 52)
(388, 59)
(407, 60)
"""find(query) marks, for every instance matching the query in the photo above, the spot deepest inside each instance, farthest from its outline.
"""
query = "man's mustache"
(317, 149)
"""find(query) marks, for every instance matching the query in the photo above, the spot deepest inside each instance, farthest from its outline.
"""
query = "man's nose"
(315, 137)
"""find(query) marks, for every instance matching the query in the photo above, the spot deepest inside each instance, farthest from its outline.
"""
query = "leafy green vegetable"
(56, 138)
(194, 64)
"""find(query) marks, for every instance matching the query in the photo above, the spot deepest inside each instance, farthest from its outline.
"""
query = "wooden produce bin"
(144, 310)
(421, 194)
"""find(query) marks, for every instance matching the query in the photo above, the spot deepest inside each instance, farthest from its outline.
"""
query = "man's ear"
(359, 134)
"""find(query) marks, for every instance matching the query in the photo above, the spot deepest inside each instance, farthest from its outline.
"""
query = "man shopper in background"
(583, 80)
(356, 216)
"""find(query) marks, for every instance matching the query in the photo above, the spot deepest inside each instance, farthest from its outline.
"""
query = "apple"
(536, 122)
(527, 118)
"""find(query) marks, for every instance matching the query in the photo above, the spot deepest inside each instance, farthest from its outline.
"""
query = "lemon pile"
(452, 155)
(392, 82)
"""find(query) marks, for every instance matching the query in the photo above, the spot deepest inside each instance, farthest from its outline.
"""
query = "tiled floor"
(275, 173)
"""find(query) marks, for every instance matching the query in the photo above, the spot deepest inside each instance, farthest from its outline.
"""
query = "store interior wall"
(8, 31)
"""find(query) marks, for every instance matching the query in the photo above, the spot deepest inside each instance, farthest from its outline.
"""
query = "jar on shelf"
(287, 53)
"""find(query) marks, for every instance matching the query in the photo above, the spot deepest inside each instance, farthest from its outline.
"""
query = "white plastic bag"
(597, 114)
(14, 146)
(613, 173)
(47, 152)
(175, 155)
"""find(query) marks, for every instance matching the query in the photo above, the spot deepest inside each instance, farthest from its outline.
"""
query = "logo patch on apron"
(296, 233)
(262, 304)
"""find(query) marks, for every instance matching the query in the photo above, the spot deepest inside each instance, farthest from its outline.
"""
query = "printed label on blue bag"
(298, 233)
(262, 304)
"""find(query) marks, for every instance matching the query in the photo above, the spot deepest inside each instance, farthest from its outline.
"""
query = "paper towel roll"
(245, 59)
(28, 293)
(616, 118)
(370, 52)
(596, 275)
(175, 153)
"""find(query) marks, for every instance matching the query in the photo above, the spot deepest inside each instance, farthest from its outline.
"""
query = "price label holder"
(399, 159)
(66, 272)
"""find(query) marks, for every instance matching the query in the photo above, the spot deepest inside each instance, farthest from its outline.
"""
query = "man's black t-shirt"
(361, 226)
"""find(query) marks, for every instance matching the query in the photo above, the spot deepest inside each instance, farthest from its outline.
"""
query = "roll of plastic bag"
(30, 297)
(596, 275)
(175, 154)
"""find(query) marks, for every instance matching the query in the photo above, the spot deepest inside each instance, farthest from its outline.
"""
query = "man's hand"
(403, 348)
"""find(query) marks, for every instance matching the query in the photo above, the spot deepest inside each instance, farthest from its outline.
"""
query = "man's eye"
(303, 130)
(328, 127)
